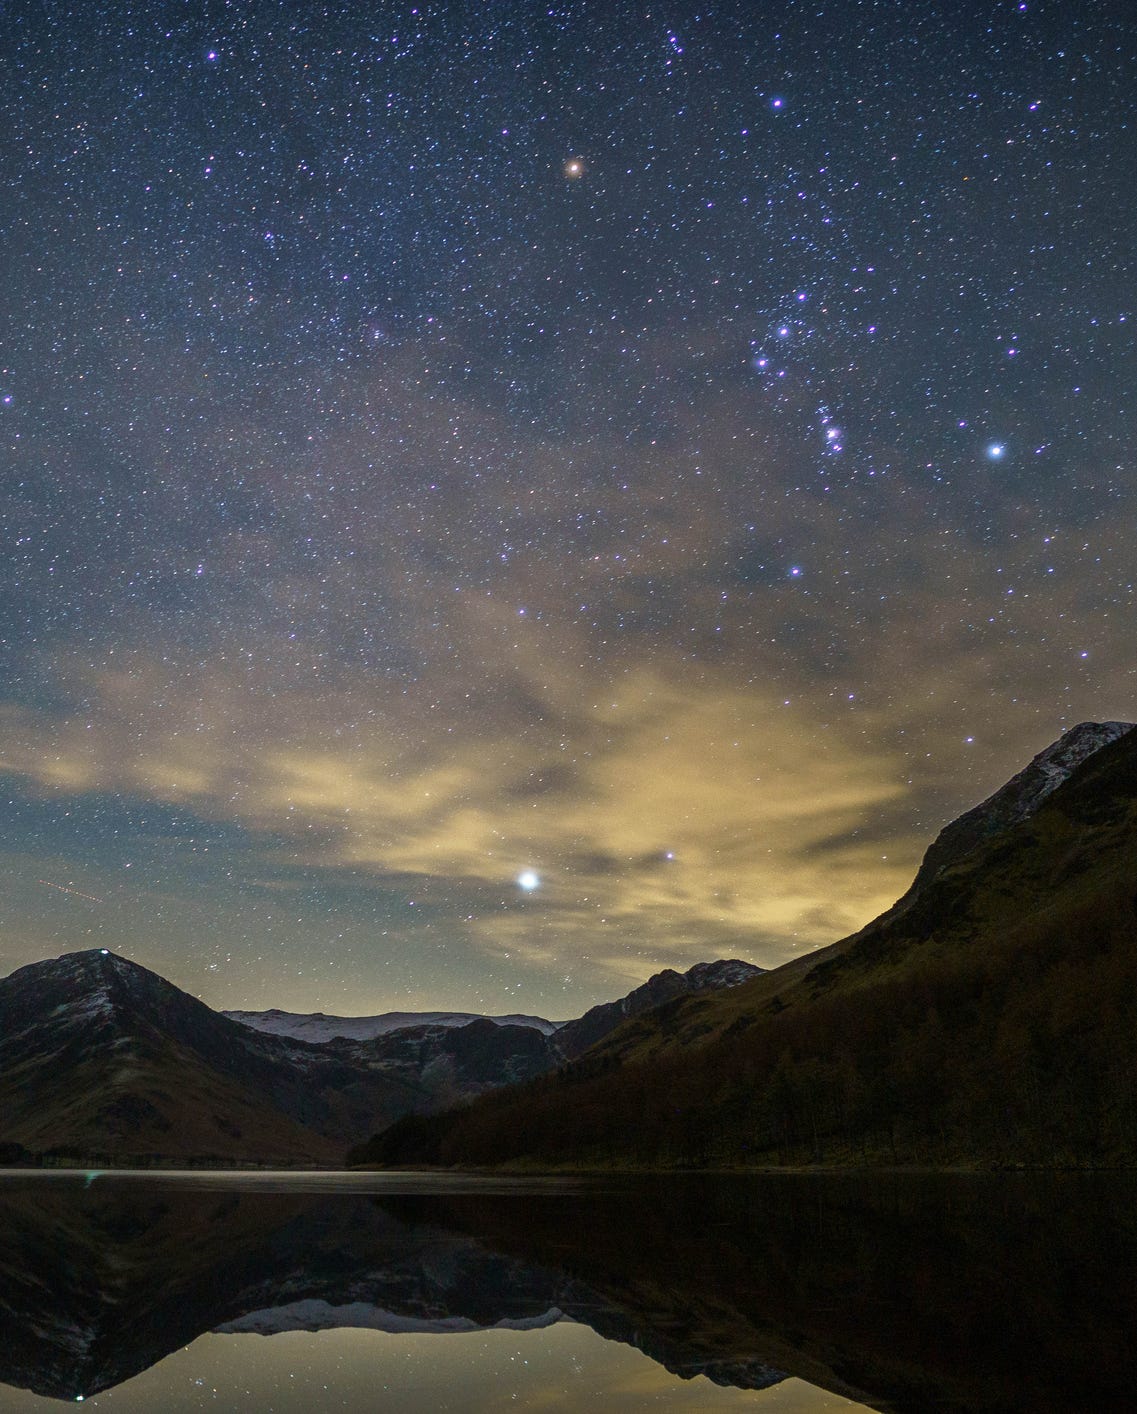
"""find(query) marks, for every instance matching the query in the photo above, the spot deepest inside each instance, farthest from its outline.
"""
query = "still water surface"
(773, 1294)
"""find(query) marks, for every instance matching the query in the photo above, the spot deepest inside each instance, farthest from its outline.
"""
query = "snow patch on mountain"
(1016, 801)
(316, 1027)
(1024, 793)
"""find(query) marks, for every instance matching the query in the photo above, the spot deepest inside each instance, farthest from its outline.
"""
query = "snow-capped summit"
(1017, 800)
(1024, 793)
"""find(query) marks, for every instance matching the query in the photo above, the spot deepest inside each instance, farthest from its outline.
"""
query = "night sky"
(502, 498)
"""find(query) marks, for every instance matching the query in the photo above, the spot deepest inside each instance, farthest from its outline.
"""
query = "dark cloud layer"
(390, 510)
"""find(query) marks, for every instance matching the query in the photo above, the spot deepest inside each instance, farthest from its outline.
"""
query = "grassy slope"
(993, 1021)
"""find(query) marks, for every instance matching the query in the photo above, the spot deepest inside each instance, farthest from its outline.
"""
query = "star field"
(501, 499)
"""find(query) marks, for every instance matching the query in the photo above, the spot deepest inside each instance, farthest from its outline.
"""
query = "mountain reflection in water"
(900, 1292)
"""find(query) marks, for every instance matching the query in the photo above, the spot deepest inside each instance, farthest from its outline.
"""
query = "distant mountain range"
(105, 1062)
(572, 1037)
(989, 1017)
(318, 1028)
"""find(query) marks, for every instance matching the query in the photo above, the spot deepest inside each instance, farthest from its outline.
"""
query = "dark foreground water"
(773, 1294)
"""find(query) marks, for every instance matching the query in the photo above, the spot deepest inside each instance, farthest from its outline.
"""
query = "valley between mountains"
(987, 1018)
(103, 1062)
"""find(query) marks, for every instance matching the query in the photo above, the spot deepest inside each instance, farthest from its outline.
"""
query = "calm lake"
(285, 1292)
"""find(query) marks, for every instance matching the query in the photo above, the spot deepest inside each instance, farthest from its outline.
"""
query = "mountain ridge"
(572, 1036)
(318, 1026)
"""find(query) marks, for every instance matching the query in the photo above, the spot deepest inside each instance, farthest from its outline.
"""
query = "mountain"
(575, 1037)
(105, 1062)
(100, 1057)
(990, 1019)
(572, 1037)
(1017, 800)
(449, 1064)
(318, 1028)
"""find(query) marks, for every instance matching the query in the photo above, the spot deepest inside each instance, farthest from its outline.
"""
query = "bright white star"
(528, 880)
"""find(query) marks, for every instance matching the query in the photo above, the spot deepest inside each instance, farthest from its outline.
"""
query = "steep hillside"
(1017, 800)
(993, 1019)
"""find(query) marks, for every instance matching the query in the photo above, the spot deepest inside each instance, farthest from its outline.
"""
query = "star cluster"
(500, 499)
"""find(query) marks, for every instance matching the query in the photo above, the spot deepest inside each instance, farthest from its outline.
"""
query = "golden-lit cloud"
(692, 766)
(698, 752)
(676, 816)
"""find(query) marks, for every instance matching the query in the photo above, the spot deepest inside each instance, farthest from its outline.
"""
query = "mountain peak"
(1044, 773)
(101, 958)
(79, 971)
(576, 1036)
(95, 961)
(1018, 799)
(725, 972)
(1077, 744)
